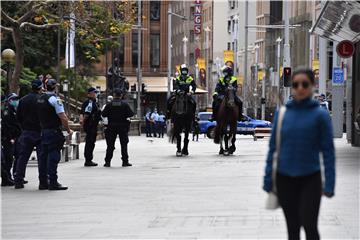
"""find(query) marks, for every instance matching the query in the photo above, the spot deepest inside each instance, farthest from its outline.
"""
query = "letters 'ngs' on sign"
(197, 17)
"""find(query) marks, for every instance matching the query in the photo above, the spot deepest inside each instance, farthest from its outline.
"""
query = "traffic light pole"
(139, 82)
(287, 60)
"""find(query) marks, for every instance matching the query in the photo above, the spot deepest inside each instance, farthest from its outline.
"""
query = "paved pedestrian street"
(200, 196)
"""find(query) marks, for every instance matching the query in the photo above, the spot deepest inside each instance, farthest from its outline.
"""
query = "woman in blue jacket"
(306, 132)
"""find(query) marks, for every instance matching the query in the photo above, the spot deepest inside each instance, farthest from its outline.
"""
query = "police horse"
(226, 127)
(182, 117)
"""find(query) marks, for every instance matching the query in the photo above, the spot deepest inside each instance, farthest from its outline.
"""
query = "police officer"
(89, 119)
(118, 113)
(227, 80)
(31, 131)
(52, 117)
(10, 132)
(184, 82)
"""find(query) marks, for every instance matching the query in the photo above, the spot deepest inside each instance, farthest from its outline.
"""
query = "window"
(191, 37)
(229, 46)
(155, 50)
(192, 11)
(155, 10)
(233, 45)
(191, 59)
(134, 49)
(229, 26)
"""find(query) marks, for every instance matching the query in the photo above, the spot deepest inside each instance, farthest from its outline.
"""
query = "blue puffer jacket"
(306, 131)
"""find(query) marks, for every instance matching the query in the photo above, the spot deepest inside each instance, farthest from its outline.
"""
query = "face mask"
(14, 103)
(184, 72)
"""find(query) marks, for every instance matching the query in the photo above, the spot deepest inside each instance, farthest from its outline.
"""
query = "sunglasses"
(305, 85)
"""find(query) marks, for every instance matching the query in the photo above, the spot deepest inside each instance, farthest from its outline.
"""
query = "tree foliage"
(33, 27)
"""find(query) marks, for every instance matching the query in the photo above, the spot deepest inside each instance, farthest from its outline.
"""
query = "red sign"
(197, 17)
(345, 49)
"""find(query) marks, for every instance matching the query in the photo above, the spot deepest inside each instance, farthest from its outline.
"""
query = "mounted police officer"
(118, 113)
(89, 119)
(10, 132)
(31, 134)
(184, 83)
(227, 80)
(52, 118)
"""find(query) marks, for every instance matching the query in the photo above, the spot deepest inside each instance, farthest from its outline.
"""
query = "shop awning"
(153, 84)
(339, 20)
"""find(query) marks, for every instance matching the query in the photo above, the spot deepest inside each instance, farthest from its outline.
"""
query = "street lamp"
(8, 56)
(185, 40)
(236, 18)
(256, 49)
(207, 57)
(65, 89)
(170, 14)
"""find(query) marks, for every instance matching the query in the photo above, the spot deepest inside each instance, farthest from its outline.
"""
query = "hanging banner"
(197, 17)
(202, 72)
(229, 58)
(315, 65)
(177, 67)
(70, 43)
(261, 75)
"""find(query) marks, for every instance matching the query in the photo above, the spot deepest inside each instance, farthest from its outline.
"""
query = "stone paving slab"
(162, 196)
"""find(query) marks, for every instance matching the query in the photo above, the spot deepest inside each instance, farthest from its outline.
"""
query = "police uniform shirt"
(117, 113)
(56, 103)
(89, 107)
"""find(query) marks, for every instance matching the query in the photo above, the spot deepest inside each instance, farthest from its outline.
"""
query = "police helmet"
(184, 70)
(227, 71)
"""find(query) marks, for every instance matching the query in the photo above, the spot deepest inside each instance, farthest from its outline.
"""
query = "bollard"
(75, 142)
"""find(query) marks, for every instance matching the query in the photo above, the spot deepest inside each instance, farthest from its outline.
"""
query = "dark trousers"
(90, 140)
(111, 134)
(4, 173)
(300, 198)
(27, 141)
(160, 126)
(8, 158)
(147, 128)
(52, 142)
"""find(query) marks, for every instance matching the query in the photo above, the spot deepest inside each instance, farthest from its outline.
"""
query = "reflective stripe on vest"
(188, 80)
(232, 80)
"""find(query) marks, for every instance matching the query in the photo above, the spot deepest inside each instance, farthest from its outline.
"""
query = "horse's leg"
(186, 143)
(221, 144)
(226, 139)
(178, 142)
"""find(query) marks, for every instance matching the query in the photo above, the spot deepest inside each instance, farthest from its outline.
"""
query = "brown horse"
(226, 126)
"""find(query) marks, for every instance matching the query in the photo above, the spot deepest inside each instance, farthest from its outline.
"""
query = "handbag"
(272, 201)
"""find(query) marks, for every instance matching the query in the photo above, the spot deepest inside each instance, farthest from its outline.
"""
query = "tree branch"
(35, 26)
(7, 18)
(3, 28)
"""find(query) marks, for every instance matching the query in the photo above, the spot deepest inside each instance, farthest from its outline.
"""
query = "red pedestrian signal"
(287, 76)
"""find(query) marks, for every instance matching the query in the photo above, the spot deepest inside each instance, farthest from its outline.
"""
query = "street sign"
(337, 76)
(345, 49)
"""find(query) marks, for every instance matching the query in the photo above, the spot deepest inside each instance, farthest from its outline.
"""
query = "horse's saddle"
(181, 104)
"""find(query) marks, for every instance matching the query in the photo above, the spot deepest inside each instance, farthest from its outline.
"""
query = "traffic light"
(287, 76)
(133, 88)
(143, 88)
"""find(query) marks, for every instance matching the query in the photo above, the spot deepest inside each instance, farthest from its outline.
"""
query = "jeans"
(111, 134)
(52, 141)
(27, 141)
(7, 160)
(300, 198)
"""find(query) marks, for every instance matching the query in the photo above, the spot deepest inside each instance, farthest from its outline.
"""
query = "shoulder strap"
(280, 119)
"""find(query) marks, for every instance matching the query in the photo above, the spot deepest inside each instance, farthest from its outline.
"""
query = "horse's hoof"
(185, 152)
(232, 150)
(221, 151)
(226, 153)
(178, 154)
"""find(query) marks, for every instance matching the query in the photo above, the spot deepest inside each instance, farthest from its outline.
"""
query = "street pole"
(208, 71)
(245, 81)
(278, 70)
(256, 78)
(287, 60)
(185, 49)
(263, 98)
(139, 82)
(169, 52)
(236, 18)
(337, 91)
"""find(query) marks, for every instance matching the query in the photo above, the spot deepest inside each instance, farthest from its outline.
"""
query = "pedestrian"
(196, 129)
(30, 137)
(10, 132)
(148, 123)
(323, 102)
(118, 113)
(153, 119)
(306, 131)
(52, 118)
(161, 123)
(89, 119)
(105, 119)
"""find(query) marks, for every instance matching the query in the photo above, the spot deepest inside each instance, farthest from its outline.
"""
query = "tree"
(96, 23)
